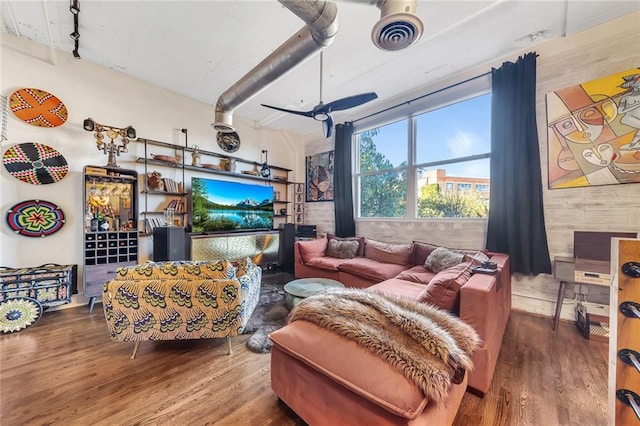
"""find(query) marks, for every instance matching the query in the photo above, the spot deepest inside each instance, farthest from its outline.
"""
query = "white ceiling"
(200, 48)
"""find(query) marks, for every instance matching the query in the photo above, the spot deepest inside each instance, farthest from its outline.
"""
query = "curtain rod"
(422, 96)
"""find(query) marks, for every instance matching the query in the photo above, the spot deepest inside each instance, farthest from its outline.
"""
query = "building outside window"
(435, 164)
(482, 187)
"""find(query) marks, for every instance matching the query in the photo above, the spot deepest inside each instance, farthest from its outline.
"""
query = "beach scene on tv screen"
(230, 206)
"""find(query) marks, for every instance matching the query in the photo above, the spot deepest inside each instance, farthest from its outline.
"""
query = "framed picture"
(594, 132)
(319, 177)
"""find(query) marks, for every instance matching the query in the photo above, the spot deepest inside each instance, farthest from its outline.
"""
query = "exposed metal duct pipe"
(322, 26)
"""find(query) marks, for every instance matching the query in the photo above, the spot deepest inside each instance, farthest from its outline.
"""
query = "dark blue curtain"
(516, 217)
(342, 187)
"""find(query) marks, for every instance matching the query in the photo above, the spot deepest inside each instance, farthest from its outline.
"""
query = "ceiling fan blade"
(348, 102)
(303, 113)
(327, 125)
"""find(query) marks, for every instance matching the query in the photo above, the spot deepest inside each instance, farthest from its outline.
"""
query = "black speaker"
(287, 238)
(168, 243)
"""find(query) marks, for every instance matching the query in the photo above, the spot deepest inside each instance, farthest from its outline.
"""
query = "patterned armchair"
(181, 300)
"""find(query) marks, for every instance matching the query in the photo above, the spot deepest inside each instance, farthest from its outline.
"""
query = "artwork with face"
(594, 132)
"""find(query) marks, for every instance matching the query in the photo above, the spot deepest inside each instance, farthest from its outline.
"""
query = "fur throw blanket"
(429, 346)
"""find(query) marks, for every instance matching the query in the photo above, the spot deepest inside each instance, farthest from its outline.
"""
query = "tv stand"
(261, 246)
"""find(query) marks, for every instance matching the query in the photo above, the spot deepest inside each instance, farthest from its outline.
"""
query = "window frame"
(409, 111)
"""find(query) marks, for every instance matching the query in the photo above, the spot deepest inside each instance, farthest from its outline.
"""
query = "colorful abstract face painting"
(594, 132)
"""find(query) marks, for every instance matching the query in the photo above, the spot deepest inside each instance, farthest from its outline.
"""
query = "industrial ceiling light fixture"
(399, 27)
(112, 148)
(74, 7)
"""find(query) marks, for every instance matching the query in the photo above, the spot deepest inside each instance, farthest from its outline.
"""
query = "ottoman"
(329, 380)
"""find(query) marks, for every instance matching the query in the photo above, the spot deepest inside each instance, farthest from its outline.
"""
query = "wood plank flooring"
(64, 370)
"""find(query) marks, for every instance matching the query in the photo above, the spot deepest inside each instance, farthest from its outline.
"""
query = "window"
(435, 164)
(383, 171)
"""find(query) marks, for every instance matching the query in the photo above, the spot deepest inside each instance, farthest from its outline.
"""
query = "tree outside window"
(450, 172)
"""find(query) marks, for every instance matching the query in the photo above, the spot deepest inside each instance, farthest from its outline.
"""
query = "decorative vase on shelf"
(231, 165)
(168, 216)
(195, 156)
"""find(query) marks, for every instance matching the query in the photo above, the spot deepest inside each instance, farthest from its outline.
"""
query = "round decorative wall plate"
(38, 108)
(229, 142)
(35, 218)
(35, 163)
(18, 313)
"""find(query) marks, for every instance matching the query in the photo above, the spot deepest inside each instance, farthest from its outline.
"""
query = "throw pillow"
(443, 289)
(243, 266)
(342, 249)
(421, 251)
(360, 241)
(399, 254)
(311, 249)
(442, 258)
(477, 258)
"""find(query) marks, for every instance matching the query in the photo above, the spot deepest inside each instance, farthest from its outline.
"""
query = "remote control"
(480, 270)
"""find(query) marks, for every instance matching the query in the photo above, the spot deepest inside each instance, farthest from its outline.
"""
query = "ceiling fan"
(322, 111)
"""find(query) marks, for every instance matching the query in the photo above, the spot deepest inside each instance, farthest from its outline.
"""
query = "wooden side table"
(564, 269)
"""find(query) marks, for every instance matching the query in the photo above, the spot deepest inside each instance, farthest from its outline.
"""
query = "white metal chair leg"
(135, 349)
(229, 345)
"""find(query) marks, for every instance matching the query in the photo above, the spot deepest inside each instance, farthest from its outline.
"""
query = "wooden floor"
(64, 370)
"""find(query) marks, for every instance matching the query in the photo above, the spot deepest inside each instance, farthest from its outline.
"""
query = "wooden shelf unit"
(281, 182)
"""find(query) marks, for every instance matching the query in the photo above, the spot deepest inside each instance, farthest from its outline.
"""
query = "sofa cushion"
(206, 269)
(371, 269)
(325, 262)
(342, 249)
(442, 258)
(351, 366)
(398, 287)
(417, 274)
(443, 290)
(311, 249)
(421, 251)
(399, 254)
(360, 241)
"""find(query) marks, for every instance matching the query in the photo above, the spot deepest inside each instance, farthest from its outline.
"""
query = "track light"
(130, 132)
(113, 148)
(74, 6)
(89, 124)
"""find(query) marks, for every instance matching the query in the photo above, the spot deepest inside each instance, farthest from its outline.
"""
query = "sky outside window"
(456, 131)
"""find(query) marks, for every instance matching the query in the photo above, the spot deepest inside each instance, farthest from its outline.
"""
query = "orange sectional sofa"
(482, 301)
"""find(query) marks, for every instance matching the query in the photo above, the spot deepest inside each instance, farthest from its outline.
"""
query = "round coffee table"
(297, 290)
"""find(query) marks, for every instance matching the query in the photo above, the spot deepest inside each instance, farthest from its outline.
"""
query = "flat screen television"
(223, 206)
